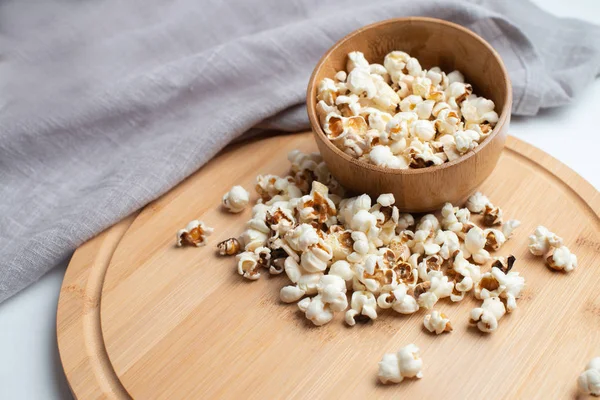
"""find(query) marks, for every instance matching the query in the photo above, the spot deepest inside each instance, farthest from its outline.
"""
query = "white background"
(29, 362)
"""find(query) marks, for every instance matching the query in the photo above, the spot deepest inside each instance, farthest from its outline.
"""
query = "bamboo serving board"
(140, 318)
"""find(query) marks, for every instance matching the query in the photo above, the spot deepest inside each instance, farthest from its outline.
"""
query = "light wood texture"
(179, 323)
(433, 42)
(82, 351)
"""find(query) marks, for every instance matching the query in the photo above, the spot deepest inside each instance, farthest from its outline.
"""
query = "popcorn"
(364, 304)
(459, 91)
(236, 199)
(476, 110)
(327, 91)
(347, 106)
(477, 203)
(455, 76)
(399, 300)
(449, 243)
(562, 259)
(356, 59)
(466, 141)
(589, 380)
(475, 242)
(337, 127)
(253, 238)
(410, 103)
(229, 247)
(342, 269)
(447, 121)
(332, 290)
(382, 156)
(341, 243)
(324, 109)
(424, 109)
(272, 188)
(506, 286)
(394, 63)
(429, 292)
(509, 226)
(405, 221)
(291, 294)
(329, 246)
(406, 363)
(426, 264)
(331, 297)
(453, 218)
(437, 322)
(361, 83)
(317, 257)
(378, 69)
(386, 97)
(317, 206)
(504, 264)
(341, 76)
(494, 239)
(194, 234)
(396, 115)
(365, 222)
(316, 310)
(487, 316)
(247, 265)
(492, 215)
(403, 89)
(423, 130)
(414, 67)
(542, 241)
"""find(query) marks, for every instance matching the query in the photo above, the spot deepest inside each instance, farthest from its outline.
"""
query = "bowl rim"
(311, 102)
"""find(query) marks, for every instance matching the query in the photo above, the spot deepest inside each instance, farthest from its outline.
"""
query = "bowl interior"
(434, 43)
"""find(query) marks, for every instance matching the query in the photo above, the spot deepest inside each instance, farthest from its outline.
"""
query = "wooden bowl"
(433, 42)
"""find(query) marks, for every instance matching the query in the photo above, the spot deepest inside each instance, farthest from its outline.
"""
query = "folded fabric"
(105, 105)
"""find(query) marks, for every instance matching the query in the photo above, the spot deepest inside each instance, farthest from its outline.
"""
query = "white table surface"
(29, 362)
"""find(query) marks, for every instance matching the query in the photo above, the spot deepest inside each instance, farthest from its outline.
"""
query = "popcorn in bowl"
(399, 115)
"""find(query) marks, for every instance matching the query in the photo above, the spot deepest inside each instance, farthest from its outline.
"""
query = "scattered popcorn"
(247, 265)
(562, 259)
(399, 300)
(437, 322)
(589, 380)
(236, 199)
(509, 226)
(504, 264)
(429, 292)
(465, 276)
(496, 283)
(363, 304)
(229, 247)
(492, 215)
(474, 246)
(194, 234)
(316, 310)
(477, 203)
(359, 255)
(542, 241)
(406, 363)
(487, 316)
(494, 239)
(399, 115)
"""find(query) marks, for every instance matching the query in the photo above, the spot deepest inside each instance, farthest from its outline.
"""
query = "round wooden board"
(140, 318)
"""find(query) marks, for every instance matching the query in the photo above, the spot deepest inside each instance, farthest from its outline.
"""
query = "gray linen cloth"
(107, 104)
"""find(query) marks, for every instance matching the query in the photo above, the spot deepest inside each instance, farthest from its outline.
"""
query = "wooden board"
(138, 317)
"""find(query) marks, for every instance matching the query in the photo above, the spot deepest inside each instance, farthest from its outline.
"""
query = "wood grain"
(433, 42)
(179, 323)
